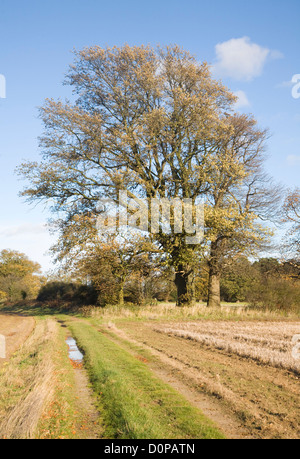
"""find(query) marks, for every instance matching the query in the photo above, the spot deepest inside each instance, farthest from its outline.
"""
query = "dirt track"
(16, 330)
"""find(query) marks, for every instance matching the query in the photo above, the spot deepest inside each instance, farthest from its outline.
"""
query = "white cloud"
(293, 160)
(241, 59)
(21, 230)
(242, 100)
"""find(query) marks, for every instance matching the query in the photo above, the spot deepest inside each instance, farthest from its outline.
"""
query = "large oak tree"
(152, 122)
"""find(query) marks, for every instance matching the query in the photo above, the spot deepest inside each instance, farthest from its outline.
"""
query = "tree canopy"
(155, 123)
(18, 279)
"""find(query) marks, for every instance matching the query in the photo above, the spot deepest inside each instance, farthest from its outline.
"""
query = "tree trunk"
(214, 299)
(121, 293)
(181, 282)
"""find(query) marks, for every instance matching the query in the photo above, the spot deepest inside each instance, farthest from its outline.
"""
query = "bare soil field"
(241, 374)
(16, 330)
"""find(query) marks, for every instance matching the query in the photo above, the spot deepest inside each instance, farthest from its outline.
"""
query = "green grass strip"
(135, 403)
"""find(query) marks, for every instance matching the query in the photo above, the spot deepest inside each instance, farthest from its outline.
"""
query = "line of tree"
(155, 123)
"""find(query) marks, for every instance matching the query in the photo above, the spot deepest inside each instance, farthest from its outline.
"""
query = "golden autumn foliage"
(18, 279)
(153, 122)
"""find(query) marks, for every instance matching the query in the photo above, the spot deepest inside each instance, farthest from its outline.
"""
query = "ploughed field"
(240, 373)
(16, 330)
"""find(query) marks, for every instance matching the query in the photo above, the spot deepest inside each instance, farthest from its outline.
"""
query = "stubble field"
(241, 374)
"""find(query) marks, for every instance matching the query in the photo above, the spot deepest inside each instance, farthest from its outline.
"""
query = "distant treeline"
(266, 284)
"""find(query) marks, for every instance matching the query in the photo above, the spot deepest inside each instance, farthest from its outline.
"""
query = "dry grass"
(266, 342)
(171, 311)
(26, 384)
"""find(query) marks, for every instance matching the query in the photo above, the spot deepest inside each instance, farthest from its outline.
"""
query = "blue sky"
(254, 48)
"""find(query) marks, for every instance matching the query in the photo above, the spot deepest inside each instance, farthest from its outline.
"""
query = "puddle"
(74, 353)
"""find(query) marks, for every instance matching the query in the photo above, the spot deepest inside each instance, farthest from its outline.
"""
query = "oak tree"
(155, 123)
(241, 198)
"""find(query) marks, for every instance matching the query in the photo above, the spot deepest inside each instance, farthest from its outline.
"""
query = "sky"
(253, 47)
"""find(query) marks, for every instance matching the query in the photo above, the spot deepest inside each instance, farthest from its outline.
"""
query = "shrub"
(83, 294)
(275, 294)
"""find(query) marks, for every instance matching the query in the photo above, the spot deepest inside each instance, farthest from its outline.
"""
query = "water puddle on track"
(75, 355)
